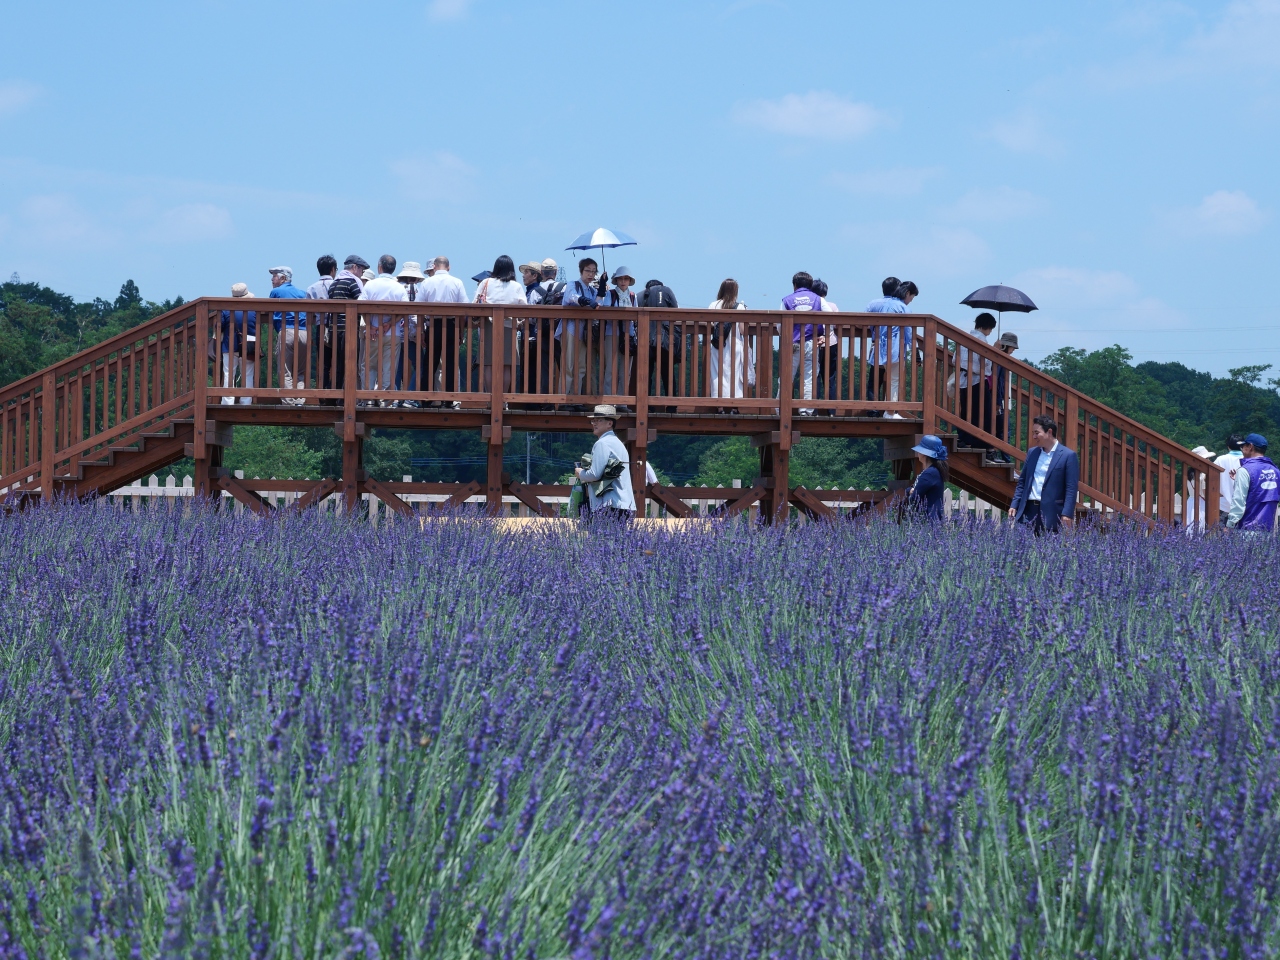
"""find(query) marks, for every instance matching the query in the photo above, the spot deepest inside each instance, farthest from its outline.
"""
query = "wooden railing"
(101, 397)
(349, 354)
(1124, 467)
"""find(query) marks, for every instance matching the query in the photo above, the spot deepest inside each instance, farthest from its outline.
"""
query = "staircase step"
(126, 448)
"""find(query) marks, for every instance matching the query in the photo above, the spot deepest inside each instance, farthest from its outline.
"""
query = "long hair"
(504, 268)
(728, 295)
(943, 469)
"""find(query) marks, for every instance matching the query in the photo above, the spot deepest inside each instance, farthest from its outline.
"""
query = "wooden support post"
(640, 446)
(495, 357)
(810, 504)
(1212, 492)
(352, 457)
(462, 496)
(526, 494)
(775, 458)
(929, 377)
(48, 417)
(200, 375)
(243, 495)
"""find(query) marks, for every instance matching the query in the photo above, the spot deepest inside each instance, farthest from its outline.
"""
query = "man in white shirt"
(442, 287)
(1230, 463)
(973, 385)
(380, 332)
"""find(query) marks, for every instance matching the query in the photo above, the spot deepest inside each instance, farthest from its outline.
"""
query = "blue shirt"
(620, 495)
(287, 291)
(889, 305)
(572, 291)
(1042, 471)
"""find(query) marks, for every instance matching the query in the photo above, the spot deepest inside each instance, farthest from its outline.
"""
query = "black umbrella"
(486, 274)
(1000, 299)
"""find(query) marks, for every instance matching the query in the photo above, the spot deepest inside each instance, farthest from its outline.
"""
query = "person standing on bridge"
(291, 330)
(889, 344)
(345, 286)
(1256, 489)
(728, 347)
(442, 287)
(973, 384)
(1230, 464)
(1045, 496)
(384, 330)
(239, 353)
(802, 299)
(617, 499)
(828, 356)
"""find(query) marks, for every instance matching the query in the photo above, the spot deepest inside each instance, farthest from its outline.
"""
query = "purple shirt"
(1264, 494)
(803, 301)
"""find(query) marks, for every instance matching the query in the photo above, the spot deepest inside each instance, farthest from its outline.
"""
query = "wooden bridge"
(157, 393)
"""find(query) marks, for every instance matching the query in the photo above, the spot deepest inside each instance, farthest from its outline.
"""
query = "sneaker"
(897, 416)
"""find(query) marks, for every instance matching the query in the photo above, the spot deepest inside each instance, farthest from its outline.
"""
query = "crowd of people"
(1046, 491)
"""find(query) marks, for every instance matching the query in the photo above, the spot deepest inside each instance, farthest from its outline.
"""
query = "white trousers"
(289, 336)
(727, 365)
(802, 361)
(231, 364)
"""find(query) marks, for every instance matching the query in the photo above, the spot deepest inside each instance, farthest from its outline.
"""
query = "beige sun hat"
(240, 290)
(368, 275)
(604, 411)
(411, 270)
(533, 265)
(549, 264)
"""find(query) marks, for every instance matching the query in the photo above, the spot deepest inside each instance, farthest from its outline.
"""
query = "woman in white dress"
(501, 286)
(728, 346)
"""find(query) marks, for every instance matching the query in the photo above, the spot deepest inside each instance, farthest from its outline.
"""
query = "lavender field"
(301, 737)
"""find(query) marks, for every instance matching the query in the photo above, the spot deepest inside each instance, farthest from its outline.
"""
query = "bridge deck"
(179, 384)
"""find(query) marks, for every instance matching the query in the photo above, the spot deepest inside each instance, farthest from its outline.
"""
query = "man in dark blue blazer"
(1046, 493)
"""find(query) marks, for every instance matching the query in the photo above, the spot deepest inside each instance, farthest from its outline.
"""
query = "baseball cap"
(1257, 439)
(549, 264)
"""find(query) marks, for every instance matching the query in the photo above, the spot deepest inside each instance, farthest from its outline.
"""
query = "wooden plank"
(810, 505)
(669, 500)
(393, 502)
(48, 414)
(526, 494)
(250, 499)
(743, 498)
(463, 495)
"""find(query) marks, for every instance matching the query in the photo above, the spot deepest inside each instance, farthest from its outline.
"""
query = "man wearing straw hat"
(617, 499)
(410, 276)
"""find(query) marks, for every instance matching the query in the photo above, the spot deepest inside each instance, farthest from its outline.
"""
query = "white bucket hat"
(411, 270)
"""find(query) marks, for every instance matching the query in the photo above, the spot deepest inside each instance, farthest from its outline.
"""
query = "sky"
(1116, 161)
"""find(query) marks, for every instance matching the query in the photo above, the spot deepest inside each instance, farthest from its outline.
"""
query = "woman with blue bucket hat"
(926, 495)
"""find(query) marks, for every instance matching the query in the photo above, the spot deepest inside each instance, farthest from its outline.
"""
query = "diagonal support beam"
(460, 498)
(315, 495)
(743, 500)
(525, 494)
(392, 500)
(245, 496)
(808, 502)
(674, 504)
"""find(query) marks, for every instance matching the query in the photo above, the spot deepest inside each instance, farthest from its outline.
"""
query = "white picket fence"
(154, 491)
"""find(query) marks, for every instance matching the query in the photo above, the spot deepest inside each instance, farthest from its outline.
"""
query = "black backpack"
(554, 295)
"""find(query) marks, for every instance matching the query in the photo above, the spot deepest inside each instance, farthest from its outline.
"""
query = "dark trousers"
(443, 344)
(535, 365)
(333, 363)
(1031, 514)
(829, 373)
(659, 386)
(973, 397)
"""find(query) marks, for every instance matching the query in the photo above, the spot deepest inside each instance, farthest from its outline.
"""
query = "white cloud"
(1024, 133)
(448, 9)
(439, 177)
(819, 115)
(1076, 288)
(15, 95)
(192, 223)
(1247, 34)
(998, 204)
(916, 251)
(1223, 213)
(897, 182)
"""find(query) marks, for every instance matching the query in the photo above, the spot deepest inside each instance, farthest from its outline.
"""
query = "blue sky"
(1115, 160)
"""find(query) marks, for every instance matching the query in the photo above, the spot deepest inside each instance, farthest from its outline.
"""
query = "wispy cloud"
(448, 9)
(895, 182)
(995, 205)
(15, 95)
(1223, 213)
(438, 177)
(1024, 133)
(818, 115)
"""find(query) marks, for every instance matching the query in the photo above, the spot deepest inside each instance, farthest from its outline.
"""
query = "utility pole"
(528, 446)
